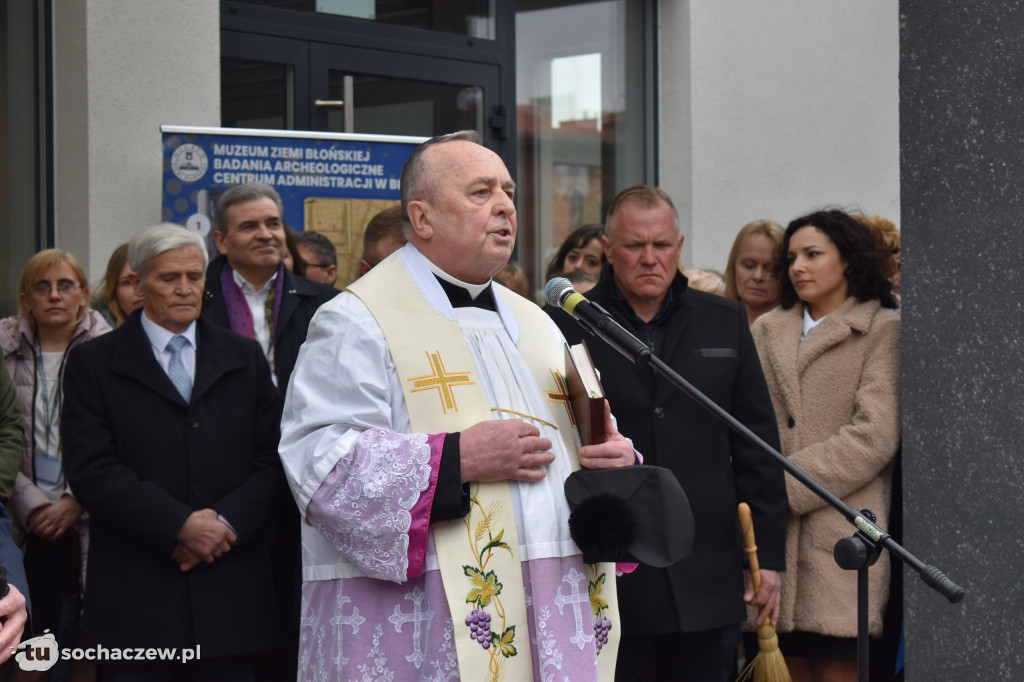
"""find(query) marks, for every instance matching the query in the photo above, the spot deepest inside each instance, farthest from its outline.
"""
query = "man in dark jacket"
(251, 292)
(170, 431)
(682, 622)
(248, 289)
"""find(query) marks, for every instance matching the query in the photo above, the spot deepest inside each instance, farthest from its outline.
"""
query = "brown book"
(585, 394)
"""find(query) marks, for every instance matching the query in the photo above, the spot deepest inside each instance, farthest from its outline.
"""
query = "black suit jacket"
(706, 339)
(140, 460)
(300, 301)
(302, 298)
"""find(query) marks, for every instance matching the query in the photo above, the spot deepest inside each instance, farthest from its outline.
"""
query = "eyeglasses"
(64, 288)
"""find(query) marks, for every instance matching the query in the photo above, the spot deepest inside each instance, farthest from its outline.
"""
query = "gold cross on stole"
(440, 380)
(561, 394)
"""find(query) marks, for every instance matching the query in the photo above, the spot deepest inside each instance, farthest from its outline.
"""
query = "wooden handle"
(747, 526)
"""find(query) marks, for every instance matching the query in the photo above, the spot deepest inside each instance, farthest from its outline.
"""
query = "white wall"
(772, 109)
(145, 63)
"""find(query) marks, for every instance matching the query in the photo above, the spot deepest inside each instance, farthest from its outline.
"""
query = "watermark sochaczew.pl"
(42, 653)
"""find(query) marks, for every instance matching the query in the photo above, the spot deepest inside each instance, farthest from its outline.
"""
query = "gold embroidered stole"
(545, 355)
(479, 554)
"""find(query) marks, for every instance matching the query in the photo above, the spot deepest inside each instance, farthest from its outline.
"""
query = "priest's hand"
(509, 449)
(615, 451)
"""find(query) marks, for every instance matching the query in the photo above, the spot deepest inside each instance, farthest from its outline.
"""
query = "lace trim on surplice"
(364, 503)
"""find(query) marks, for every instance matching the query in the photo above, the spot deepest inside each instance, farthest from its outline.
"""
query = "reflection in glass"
(393, 106)
(580, 106)
(576, 90)
(256, 94)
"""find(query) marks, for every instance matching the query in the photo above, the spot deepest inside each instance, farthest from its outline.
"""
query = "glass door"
(355, 90)
(287, 83)
(583, 104)
(261, 80)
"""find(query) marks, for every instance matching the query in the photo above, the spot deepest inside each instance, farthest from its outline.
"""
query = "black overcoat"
(706, 339)
(140, 460)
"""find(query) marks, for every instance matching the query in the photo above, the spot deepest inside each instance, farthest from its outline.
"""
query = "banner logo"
(189, 162)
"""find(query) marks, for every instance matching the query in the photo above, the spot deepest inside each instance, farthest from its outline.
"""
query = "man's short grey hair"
(153, 241)
(412, 170)
(250, 191)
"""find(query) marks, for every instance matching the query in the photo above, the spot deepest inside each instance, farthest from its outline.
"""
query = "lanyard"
(51, 405)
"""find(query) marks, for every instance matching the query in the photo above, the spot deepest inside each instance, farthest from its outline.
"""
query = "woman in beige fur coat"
(831, 356)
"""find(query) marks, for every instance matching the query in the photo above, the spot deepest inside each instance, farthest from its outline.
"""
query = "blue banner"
(332, 183)
(199, 163)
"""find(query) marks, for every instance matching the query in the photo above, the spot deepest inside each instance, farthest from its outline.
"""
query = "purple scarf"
(239, 315)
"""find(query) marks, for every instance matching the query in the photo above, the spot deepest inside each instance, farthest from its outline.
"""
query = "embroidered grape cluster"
(602, 626)
(479, 622)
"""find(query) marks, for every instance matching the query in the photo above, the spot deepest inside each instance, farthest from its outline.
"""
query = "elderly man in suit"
(250, 291)
(170, 432)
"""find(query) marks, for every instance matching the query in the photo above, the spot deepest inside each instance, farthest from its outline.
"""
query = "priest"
(426, 437)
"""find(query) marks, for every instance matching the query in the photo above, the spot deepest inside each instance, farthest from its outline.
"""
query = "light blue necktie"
(176, 369)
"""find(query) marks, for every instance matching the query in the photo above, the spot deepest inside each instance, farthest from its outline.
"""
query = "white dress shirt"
(159, 337)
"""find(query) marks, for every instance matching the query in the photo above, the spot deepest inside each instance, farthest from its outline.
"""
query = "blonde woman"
(119, 291)
(53, 316)
(750, 272)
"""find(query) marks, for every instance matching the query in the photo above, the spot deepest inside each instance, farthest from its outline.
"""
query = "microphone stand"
(857, 552)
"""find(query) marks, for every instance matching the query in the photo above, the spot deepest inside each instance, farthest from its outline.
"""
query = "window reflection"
(396, 106)
(580, 107)
(576, 90)
(256, 94)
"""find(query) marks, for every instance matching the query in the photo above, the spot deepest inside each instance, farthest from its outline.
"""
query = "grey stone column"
(962, 143)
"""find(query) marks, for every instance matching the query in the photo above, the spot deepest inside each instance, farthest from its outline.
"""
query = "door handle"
(498, 120)
(347, 110)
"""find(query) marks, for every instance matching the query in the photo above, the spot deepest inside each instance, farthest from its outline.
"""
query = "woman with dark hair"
(831, 357)
(581, 250)
(290, 253)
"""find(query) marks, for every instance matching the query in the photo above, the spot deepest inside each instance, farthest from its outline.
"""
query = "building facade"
(739, 110)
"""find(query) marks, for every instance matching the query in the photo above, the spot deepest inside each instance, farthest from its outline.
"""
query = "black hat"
(629, 514)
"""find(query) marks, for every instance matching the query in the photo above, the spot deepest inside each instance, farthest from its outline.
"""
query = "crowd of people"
(317, 485)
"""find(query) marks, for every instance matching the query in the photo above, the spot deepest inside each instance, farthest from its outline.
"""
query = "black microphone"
(559, 293)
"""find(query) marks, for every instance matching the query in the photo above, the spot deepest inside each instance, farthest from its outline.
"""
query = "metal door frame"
(267, 34)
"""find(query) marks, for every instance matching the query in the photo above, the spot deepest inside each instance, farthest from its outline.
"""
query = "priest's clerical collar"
(463, 294)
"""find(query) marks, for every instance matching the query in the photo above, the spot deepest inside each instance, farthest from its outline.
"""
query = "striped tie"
(176, 369)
